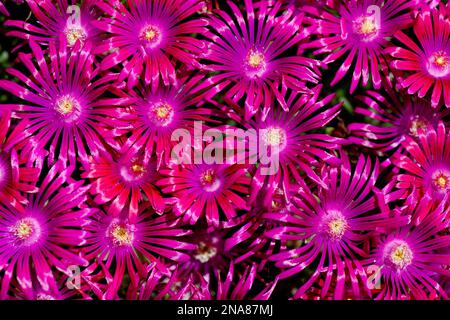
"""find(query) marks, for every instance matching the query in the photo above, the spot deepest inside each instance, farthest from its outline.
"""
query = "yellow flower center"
(337, 227)
(75, 33)
(416, 125)
(161, 113)
(151, 35)
(441, 60)
(205, 252)
(439, 64)
(274, 137)
(209, 180)
(66, 105)
(366, 27)
(23, 230)
(254, 64)
(398, 254)
(255, 59)
(334, 224)
(208, 177)
(441, 181)
(26, 231)
(137, 168)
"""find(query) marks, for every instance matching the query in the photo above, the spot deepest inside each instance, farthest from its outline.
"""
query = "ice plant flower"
(63, 103)
(149, 37)
(124, 246)
(56, 21)
(409, 258)
(244, 53)
(213, 192)
(45, 233)
(426, 64)
(393, 116)
(426, 165)
(158, 112)
(330, 226)
(359, 34)
(124, 179)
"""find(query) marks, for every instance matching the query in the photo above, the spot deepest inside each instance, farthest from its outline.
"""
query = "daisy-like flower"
(290, 135)
(63, 104)
(393, 116)
(124, 246)
(56, 21)
(17, 175)
(124, 179)
(149, 37)
(245, 51)
(359, 33)
(427, 164)
(235, 286)
(158, 112)
(409, 258)
(329, 226)
(426, 64)
(44, 234)
(213, 191)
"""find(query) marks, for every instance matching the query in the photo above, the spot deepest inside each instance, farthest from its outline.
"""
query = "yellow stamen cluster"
(398, 254)
(121, 235)
(23, 229)
(204, 252)
(208, 177)
(441, 181)
(66, 105)
(75, 33)
(274, 137)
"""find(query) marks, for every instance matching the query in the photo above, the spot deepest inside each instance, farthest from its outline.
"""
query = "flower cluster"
(202, 149)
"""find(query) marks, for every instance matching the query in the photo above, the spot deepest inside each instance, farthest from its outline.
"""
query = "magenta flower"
(358, 35)
(330, 226)
(427, 64)
(123, 180)
(427, 165)
(44, 234)
(411, 257)
(235, 286)
(298, 146)
(244, 53)
(63, 104)
(117, 243)
(150, 37)
(398, 115)
(211, 191)
(157, 112)
(58, 21)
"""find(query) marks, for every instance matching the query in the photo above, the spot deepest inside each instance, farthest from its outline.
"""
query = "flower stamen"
(398, 254)
(75, 33)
